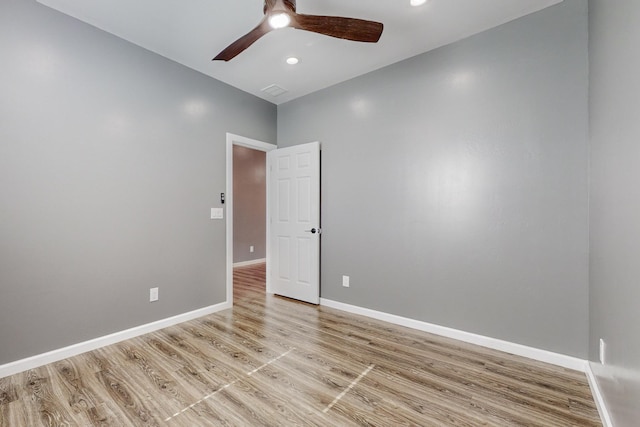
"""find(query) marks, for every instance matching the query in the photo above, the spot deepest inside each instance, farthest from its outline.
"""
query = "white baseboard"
(248, 263)
(605, 416)
(76, 349)
(562, 360)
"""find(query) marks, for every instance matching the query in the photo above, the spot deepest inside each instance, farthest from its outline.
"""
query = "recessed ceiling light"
(418, 2)
(279, 20)
(292, 60)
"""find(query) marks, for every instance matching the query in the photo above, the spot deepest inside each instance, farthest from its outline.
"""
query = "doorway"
(249, 206)
(243, 254)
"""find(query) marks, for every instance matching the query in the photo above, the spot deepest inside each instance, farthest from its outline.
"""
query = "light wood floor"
(275, 362)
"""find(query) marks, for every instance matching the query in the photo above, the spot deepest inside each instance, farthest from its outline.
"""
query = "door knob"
(313, 231)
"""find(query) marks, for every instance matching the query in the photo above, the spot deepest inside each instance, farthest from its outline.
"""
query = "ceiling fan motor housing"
(270, 4)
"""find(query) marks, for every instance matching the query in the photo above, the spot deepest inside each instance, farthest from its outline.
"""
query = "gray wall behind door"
(249, 203)
(454, 184)
(110, 160)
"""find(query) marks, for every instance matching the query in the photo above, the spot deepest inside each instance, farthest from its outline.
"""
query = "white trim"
(605, 416)
(76, 349)
(248, 263)
(269, 282)
(256, 145)
(493, 343)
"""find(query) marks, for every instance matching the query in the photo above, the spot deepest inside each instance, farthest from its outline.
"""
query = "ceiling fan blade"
(358, 30)
(238, 46)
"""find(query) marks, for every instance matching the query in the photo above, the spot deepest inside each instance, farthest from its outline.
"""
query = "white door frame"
(256, 145)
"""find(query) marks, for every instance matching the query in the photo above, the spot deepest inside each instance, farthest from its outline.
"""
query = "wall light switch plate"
(217, 213)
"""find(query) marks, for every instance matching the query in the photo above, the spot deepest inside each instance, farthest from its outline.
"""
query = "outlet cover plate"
(153, 294)
(345, 281)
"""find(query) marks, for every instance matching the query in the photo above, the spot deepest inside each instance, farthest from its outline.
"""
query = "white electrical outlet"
(153, 294)
(345, 281)
(603, 351)
(251, 249)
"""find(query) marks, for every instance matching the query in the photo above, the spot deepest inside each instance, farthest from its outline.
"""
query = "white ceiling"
(192, 32)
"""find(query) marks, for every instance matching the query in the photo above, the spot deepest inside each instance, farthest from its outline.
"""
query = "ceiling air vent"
(274, 90)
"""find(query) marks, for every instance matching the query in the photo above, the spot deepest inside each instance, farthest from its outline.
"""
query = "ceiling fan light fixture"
(416, 3)
(279, 20)
(282, 13)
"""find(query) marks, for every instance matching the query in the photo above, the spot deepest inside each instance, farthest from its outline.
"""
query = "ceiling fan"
(282, 13)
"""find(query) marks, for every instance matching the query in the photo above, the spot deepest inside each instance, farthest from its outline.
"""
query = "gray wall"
(110, 159)
(454, 184)
(249, 203)
(615, 204)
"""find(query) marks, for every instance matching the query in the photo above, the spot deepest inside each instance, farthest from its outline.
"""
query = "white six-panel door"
(294, 215)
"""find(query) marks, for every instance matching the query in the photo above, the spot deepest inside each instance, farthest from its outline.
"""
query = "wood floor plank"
(12, 414)
(74, 389)
(129, 397)
(271, 361)
(45, 409)
(8, 391)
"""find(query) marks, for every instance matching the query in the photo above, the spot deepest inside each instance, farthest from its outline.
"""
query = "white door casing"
(294, 219)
